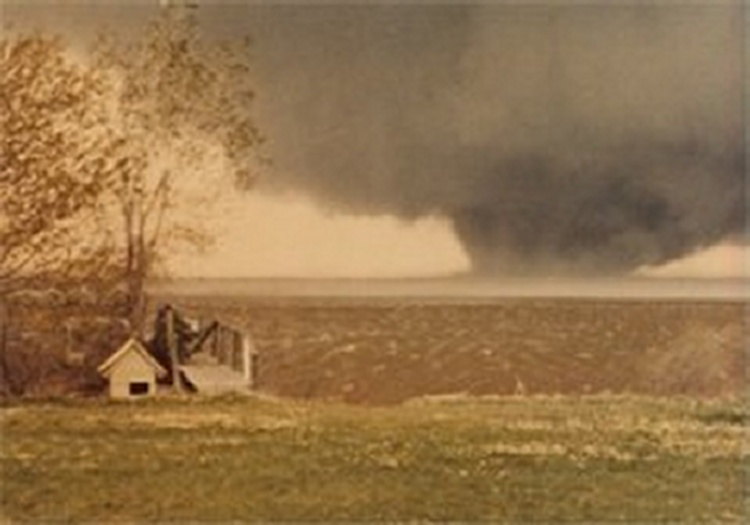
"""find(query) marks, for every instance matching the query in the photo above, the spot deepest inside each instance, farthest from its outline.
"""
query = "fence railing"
(224, 343)
(233, 347)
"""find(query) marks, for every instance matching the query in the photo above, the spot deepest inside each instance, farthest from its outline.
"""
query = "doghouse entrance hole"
(138, 389)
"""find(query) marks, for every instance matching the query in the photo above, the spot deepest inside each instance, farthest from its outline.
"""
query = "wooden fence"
(233, 347)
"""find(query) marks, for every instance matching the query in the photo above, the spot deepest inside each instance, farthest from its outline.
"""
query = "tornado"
(557, 140)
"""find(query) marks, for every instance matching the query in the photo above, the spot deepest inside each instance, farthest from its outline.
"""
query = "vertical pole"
(226, 341)
(233, 349)
(218, 345)
(222, 344)
(239, 351)
(172, 345)
(247, 365)
(214, 343)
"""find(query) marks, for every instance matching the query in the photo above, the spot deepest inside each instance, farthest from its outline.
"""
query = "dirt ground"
(383, 351)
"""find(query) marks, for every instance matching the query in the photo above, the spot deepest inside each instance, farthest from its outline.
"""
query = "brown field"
(382, 351)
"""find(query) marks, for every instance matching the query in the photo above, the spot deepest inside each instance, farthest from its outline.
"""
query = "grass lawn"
(510, 459)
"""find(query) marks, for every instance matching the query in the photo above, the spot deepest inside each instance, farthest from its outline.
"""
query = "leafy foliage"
(53, 160)
(104, 162)
(180, 105)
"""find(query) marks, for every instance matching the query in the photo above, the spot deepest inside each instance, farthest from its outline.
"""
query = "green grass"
(511, 459)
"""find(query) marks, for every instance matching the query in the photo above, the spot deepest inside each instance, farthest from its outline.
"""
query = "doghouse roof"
(131, 345)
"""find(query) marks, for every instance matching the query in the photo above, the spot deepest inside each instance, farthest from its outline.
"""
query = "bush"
(55, 348)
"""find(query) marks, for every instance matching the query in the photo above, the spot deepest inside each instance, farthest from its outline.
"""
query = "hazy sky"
(291, 237)
(507, 138)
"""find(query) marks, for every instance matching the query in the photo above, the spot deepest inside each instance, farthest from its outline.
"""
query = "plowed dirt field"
(382, 351)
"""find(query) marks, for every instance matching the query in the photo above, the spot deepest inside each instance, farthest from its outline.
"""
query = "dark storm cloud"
(588, 138)
(570, 140)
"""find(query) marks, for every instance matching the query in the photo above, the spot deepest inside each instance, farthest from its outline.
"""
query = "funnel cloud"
(556, 140)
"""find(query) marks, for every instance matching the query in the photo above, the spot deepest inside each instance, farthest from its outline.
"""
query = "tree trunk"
(136, 301)
(136, 268)
(137, 287)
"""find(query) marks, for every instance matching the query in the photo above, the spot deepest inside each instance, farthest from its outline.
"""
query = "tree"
(54, 172)
(100, 159)
(53, 166)
(180, 107)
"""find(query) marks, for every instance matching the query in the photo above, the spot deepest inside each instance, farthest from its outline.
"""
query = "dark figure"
(186, 339)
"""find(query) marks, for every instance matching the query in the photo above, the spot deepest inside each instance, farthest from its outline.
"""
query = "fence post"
(215, 344)
(247, 359)
(235, 361)
(173, 354)
(221, 346)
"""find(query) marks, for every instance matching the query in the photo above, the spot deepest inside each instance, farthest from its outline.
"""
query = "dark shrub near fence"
(52, 347)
